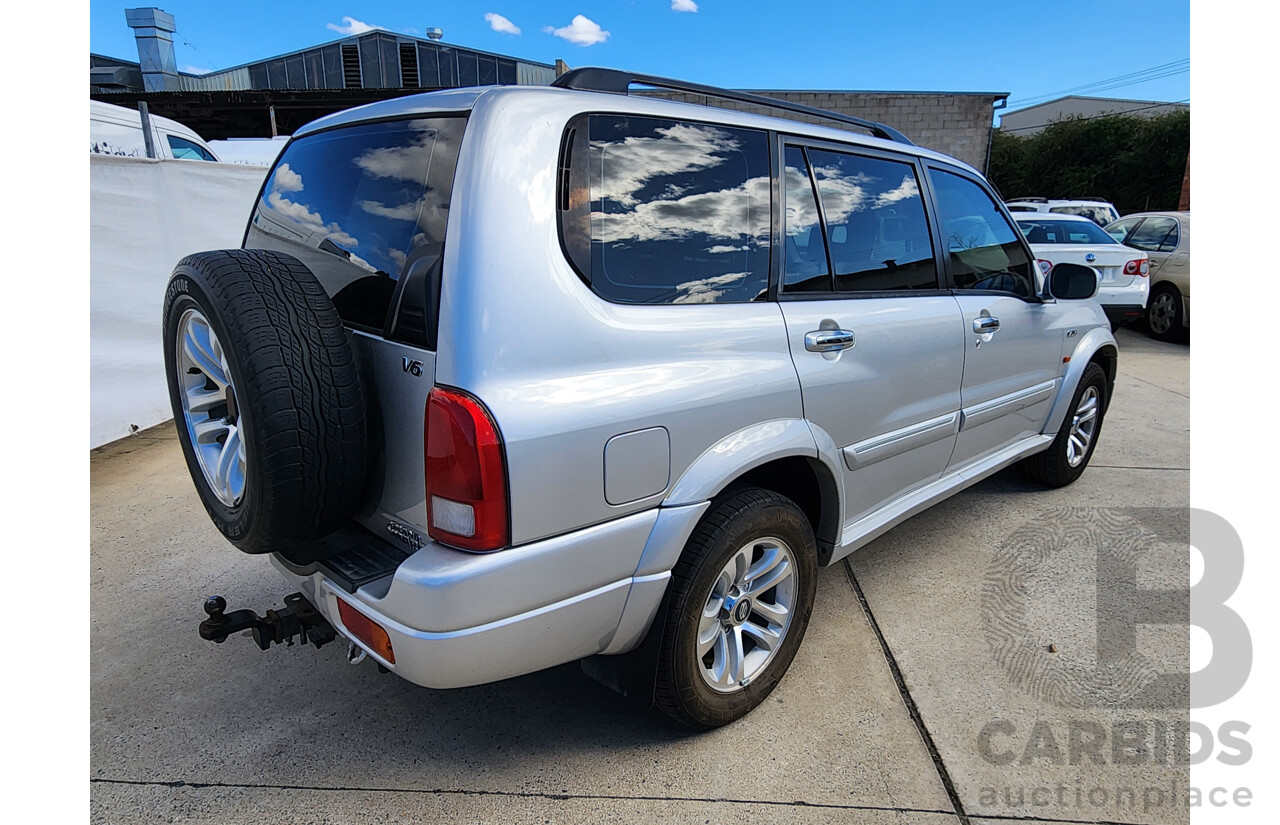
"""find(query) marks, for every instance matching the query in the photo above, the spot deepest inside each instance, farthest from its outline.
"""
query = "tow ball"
(298, 619)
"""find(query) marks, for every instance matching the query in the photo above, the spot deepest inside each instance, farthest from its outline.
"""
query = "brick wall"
(958, 125)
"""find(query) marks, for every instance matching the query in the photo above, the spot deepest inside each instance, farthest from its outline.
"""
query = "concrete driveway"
(925, 690)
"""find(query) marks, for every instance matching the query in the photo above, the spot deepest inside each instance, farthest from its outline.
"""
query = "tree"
(1136, 163)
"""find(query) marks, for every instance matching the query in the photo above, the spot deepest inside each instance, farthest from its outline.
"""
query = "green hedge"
(1136, 163)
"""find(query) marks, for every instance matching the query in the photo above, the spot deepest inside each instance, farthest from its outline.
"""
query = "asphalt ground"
(925, 692)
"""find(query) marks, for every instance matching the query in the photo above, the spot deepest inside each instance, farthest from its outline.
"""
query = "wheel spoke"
(707, 637)
(197, 347)
(734, 658)
(777, 572)
(769, 560)
(774, 614)
(230, 467)
(209, 431)
(765, 637)
(1087, 415)
(200, 400)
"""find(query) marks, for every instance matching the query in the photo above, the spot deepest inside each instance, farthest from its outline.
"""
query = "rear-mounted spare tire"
(266, 398)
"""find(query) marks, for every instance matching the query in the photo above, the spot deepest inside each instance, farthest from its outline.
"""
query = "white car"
(1096, 209)
(1056, 239)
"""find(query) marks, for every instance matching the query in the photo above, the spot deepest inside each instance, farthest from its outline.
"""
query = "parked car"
(507, 377)
(1095, 209)
(116, 130)
(1166, 238)
(1059, 238)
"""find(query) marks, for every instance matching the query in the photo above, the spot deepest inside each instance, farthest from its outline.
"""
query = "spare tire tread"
(299, 385)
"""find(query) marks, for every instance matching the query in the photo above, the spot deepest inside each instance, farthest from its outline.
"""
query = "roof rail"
(1027, 200)
(1089, 198)
(591, 79)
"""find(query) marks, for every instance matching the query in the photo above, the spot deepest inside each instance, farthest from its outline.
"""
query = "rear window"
(1101, 215)
(362, 207)
(658, 211)
(1068, 232)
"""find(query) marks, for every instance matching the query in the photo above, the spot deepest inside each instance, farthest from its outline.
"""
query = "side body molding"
(1088, 346)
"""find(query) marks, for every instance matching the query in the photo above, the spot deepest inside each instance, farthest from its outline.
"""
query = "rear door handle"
(986, 323)
(828, 340)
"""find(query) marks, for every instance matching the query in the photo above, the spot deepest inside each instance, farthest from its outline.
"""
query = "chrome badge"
(405, 535)
(1091, 257)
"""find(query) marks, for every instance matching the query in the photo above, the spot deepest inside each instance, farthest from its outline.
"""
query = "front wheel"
(1164, 313)
(1070, 452)
(741, 597)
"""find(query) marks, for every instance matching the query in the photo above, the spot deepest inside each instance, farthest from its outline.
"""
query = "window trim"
(1036, 275)
(566, 175)
(805, 142)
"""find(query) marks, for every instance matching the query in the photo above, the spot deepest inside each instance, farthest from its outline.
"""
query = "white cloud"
(683, 5)
(501, 24)
(195, 70)
(581, 30)
(679, 149)
(286, 180)
(400, 212)
(350, 25)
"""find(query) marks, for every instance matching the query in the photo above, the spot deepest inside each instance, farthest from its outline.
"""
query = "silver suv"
(510, 377)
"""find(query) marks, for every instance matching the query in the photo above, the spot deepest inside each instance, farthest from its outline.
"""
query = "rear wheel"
(1164, 313)
(741, 598)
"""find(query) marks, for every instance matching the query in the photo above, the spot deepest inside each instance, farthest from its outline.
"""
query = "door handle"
(828, 340)
(985, 323)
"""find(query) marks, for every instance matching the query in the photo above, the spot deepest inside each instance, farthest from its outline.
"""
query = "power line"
(197, 51)
(1132, 78)
(1095, 117)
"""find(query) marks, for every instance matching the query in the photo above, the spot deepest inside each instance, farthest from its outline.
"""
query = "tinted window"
(1047, 230)
(1022, 209)
(876, 229)
(361, 205)
(1121, 228)
(984, 249)
(183, 148)
(805, 268)
(1155, 235)
(669, 212)
(1101, 215)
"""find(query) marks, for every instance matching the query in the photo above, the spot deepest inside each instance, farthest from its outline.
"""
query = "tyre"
(741, 596)
(1070, 452)
(1164, 313)
(266, 399)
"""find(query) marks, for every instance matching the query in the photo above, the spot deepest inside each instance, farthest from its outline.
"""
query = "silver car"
(509, 377)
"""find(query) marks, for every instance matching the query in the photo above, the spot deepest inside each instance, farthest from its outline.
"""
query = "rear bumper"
(1122, 313)
(456, 619)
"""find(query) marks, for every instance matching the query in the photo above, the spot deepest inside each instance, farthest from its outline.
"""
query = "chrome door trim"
(1005, 404)
(887, 445)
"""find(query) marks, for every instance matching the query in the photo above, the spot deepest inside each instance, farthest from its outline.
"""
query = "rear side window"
(183, 148)
(1062, 231)
(876, 229)
(984, 249)
(362, 206)
(658, 211)
(1156, 235)
(1101, 215)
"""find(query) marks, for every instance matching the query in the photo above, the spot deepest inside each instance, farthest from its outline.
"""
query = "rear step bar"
(276, 627)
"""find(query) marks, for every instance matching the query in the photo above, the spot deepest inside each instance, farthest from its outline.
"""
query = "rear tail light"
(466, 473)
(367, 631)
(1045, 266)
(1139, 267)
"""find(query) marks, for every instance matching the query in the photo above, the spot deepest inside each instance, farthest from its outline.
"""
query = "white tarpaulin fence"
(145, 215)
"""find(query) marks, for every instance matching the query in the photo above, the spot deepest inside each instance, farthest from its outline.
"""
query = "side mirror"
(1073, 282)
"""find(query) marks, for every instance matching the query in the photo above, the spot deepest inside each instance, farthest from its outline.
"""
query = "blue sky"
(1030, 49)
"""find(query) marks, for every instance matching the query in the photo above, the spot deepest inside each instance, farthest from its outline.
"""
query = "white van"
(116, 130)
(249, 151)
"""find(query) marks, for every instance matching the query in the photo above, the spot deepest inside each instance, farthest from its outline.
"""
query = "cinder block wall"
(954, 124)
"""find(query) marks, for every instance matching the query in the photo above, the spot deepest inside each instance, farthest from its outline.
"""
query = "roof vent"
(434, 33)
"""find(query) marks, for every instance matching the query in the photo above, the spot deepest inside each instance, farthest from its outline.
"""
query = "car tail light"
(466, 473)
(1139, 267)
(1045, 266)
(367, 631)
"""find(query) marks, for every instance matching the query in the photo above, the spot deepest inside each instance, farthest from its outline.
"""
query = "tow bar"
(276, 627)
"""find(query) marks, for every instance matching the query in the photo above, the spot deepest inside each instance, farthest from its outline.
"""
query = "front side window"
(659, 211)
(1155, 235)
(360, 206)
(984, 250)
(876, 228)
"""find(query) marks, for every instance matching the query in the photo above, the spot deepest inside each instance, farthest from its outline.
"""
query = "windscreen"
(362, 206)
